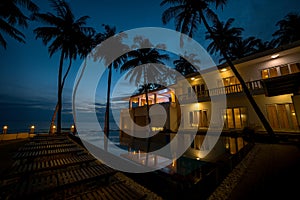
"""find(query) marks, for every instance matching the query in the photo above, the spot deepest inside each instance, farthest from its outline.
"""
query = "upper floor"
(273, 73)
(270, 73)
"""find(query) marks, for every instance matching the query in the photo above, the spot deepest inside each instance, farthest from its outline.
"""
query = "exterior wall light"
(275, 56)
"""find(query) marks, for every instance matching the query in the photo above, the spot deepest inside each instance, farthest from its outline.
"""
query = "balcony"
(280, 85)
(255, 88)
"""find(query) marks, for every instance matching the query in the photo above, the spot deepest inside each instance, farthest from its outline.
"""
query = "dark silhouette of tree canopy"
(147, 58)
(289, 29)
(184, 67)
(11, 16)
(230, 38)
(244, 47)
(65, 34)
(188, 14)
(225, 34)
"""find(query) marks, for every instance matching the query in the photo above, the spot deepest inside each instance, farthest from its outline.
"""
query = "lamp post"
(73, 129)
(53, 129)
(32, 129)
(5, 129)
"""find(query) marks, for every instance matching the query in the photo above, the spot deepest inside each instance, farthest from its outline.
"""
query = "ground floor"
(282, 112)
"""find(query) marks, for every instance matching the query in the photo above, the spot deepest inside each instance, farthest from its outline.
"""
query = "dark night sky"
(28, 76)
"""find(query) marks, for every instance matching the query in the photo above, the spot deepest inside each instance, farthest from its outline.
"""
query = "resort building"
(273, 78)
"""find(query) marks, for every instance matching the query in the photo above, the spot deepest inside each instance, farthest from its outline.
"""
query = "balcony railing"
(255, 87)
(285, 84)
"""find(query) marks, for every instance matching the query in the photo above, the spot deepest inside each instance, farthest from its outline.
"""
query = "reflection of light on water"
(155, 161)
(95, 137)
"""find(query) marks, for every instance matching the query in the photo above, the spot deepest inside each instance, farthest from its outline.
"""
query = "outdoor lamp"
(72, 129)
(5, 129)
(32, 129)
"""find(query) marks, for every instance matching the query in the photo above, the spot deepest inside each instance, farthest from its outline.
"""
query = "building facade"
(273, 78)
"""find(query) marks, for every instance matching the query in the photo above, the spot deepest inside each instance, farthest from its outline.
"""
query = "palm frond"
(11, 31)
(2, 41)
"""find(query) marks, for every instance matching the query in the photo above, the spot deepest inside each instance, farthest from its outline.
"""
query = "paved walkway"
(56, 167)
(269, 171)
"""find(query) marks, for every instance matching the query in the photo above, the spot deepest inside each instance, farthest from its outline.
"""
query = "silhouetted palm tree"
(265, 45)
(199, 11)
(88, 43)
(184, 67)
(225, 34)
(243, 47)
(66, 35)
(147, 58)
(115, 44)
(11, 16)
(289, 29)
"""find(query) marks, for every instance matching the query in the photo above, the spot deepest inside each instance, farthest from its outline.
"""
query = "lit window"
(265, 73)
(295, 67)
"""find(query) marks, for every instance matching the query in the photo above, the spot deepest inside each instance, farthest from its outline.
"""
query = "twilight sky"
(28, 76)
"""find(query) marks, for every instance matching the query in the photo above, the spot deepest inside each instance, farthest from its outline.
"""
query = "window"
(230, 81)
(193, 118)
(235, 118)
(295, 67)
(293, 116)
(284, 70)
(198, 118)
(265, 73)
(199, 89)
(273, 72)
(282, 116)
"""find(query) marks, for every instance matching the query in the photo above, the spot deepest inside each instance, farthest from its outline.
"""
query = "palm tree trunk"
(259, 113)
(62, 86)
(53, 118)
(59, 93)
(75, 91)
(106, 126)
(147, 116)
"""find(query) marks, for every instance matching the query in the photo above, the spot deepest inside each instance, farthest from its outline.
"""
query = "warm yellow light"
(173, 163)
(266, 76)
(197, 158)
(192, 78)
(275, 56)
(32, 127)
(227, 146)
(223, 70)
(293, 113)
(72, 126)
(53, 126)
(5, 127)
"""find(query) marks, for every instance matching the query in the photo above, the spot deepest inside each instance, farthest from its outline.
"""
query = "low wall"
(14, 136)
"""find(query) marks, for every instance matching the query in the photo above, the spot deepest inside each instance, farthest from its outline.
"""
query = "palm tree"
(244, 47)
(289, 29)
(225, 35)
(66, 35)
(11, 15)
(147, 58)
(106, 51)
(199, 11)
(184, 67)
(87, 44)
